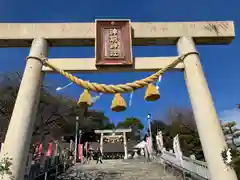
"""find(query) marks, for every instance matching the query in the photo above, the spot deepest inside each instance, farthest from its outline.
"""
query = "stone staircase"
(118, 169)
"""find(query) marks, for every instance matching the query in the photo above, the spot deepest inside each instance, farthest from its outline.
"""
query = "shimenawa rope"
(113, 89)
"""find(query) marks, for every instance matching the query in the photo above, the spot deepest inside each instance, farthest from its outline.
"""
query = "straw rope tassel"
(118, 103)
(85, 98)
(151, 94)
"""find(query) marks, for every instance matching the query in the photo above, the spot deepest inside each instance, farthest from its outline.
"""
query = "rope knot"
(43, 60)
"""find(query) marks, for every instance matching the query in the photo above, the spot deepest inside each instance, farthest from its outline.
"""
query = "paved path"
(118, 169)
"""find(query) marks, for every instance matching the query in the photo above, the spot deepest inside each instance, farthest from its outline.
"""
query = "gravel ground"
(118, 169)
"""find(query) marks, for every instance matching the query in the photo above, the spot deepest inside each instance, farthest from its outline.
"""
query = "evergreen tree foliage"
(136, 126)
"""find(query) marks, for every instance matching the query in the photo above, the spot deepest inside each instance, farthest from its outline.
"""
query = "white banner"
(149, 144)
(71, 145)
(177, 149)
(159, 139)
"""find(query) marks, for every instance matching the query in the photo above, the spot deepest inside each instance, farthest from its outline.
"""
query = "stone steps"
(118, 169)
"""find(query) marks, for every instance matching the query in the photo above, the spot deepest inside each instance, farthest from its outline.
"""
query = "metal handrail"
(46, 171)
(184, 170)
(201, 163)
(49, 169)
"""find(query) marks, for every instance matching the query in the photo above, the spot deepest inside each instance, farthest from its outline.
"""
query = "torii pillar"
(208, 125)
(125, 145)
(19, 134)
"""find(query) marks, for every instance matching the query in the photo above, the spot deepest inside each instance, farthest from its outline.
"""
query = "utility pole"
(76, 140)
(150, 133)
(80, 136)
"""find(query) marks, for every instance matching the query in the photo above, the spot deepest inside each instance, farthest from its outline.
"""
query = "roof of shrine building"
(113, 147)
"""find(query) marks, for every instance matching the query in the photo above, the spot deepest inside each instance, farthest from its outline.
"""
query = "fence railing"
(52, 168)
(191, 165)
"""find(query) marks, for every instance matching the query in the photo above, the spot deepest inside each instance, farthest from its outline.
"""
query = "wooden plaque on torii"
(113, 43)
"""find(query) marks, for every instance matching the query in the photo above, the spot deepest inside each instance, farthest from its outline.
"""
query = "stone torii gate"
(123, 131)
(185, 35)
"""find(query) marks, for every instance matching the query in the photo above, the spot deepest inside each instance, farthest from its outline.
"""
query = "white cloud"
(230, 115)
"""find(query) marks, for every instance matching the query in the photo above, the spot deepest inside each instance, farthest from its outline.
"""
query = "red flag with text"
(80, 151)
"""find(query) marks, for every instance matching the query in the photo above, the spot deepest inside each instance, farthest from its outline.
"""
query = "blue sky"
(220, 63)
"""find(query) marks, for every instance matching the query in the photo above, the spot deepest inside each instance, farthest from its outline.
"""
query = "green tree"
(229, 130)
(180, 121)
(159, 125)
(232, 133)
(109, 126)
(136, 126)
(56, 114)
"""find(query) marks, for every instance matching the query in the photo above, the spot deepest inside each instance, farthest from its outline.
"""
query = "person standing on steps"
(99, 156)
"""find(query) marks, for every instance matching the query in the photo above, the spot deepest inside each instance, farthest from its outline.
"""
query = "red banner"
(38, 149)
(149, 144)
(50, 149)
(80, 151)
